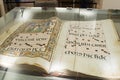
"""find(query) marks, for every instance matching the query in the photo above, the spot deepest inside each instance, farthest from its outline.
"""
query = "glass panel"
(43, 43)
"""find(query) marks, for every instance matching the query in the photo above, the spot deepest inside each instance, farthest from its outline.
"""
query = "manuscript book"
(67, 49)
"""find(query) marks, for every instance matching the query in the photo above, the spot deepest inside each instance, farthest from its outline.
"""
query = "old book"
(52, 47)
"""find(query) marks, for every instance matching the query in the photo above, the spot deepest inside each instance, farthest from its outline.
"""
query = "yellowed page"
(30, 43)
(89, 47)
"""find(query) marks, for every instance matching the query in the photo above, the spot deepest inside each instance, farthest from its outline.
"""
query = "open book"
(53, 47)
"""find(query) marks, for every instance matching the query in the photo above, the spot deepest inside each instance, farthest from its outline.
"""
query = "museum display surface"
(60, 44)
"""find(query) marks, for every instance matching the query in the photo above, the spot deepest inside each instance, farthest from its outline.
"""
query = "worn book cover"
(67, 49)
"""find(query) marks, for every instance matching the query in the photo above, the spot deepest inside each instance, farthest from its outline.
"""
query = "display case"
(38, 43)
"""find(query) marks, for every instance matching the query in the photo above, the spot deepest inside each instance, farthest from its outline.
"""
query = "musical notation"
(34, 37)
(86, 38)
(28, 44)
